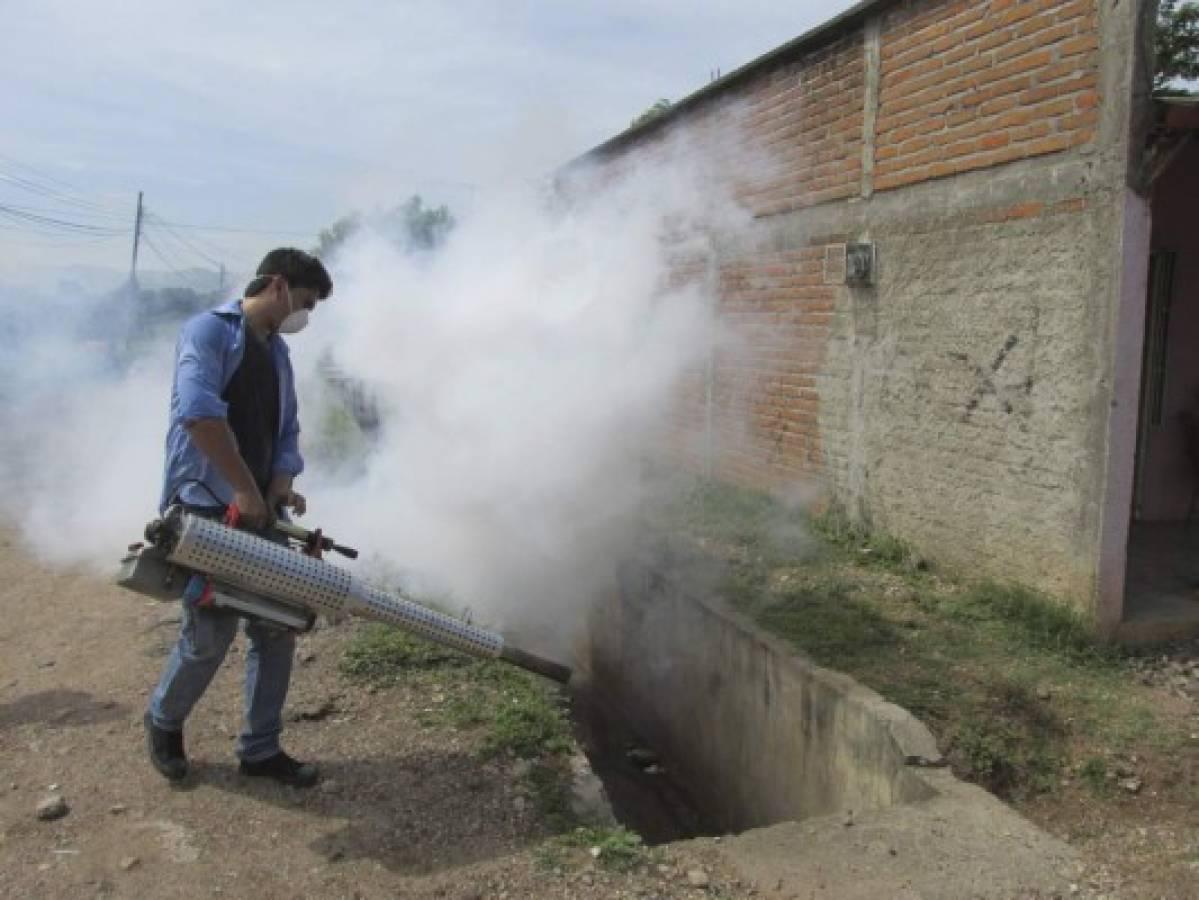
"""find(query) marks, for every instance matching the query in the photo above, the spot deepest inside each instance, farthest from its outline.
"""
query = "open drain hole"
(644, 792)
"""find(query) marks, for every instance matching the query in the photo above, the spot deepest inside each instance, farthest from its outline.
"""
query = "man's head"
(289, 282)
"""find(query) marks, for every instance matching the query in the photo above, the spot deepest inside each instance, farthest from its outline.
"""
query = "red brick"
(1021, 64)
(1024, 211)
(1084, 43)
(1017, 13)
(1073, 205)
(998, 105)
(1031, 132)
(1053, 144)
(1059, 88)
(1078, 121)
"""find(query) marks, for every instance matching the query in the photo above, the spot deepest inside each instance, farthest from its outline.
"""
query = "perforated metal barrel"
(280, 573)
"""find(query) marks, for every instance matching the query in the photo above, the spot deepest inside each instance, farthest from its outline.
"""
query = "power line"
(180, 239)
(53, 238)
(18, 214)
(223, 253)
(45, 176)
(54, 195)
(190, 280)
(48, 185)
(234, 230)
(103, 218)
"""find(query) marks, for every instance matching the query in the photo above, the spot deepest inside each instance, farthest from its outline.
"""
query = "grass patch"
(520, 715)
(1011, 683)
(383, 655)
(869, 546)
(1093, 773)
(615, 848)
(550, 786)
(827, 621)
(1032, 619)
(1013, 745)
(744, 524)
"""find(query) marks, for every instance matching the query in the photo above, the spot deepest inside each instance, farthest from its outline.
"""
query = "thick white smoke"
(81, 433)
(521, 372)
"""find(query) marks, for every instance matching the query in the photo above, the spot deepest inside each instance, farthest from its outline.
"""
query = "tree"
(1177, 46)
(411, 225)
(415, 226)
(337, 234)
(652, 113)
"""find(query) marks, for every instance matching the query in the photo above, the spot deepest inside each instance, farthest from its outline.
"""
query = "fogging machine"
(198, 560)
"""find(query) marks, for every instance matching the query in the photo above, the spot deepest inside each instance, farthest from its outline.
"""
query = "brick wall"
(968, 85)
(803, 128)
(777, 312)
(961, 401)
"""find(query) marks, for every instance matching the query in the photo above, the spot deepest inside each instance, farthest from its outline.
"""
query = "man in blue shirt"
(233, 439)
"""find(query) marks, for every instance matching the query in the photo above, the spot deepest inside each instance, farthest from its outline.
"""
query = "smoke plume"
(520, 374)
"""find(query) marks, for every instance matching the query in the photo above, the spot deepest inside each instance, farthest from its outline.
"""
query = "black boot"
(166, 750)
(283, 769)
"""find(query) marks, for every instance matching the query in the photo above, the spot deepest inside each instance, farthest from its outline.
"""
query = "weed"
(382, 654)
(868, 545)
(615, 848)
(550, 855)
(1010, 681)
(528, 723)
(754, 525)
(1011, 744)
(1093, 773)
(1032, 618)
(550, 785)
(520, 715)
(835, 526)
(827, 622)
(998, 756)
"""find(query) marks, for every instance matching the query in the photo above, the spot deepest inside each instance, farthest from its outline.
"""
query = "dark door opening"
(1162, 581)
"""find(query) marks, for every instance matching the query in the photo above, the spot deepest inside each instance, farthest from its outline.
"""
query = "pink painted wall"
(1169, 478)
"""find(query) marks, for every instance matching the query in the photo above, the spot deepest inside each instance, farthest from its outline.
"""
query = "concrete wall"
(765, 736)
(974, 400)
(1169, 476)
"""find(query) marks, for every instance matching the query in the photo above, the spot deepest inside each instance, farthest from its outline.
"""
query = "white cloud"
(288, 114)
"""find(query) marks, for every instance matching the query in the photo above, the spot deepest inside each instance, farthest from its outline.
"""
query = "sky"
(277, 118)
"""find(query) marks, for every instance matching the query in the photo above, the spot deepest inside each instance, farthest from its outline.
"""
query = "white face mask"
(296, 320)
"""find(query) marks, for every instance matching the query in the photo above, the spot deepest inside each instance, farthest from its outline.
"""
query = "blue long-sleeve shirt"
(209, 350)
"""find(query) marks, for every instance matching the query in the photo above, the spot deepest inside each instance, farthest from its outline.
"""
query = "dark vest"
(253, 415)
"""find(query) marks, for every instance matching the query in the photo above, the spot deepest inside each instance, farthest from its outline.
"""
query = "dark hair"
(299, 270)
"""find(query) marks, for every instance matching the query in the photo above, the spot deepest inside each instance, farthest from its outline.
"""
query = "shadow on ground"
(61, 709)
(416, 815)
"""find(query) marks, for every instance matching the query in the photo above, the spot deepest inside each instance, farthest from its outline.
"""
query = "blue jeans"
(204, 639)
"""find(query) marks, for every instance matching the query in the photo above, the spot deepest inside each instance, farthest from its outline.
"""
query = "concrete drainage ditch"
(815, 780)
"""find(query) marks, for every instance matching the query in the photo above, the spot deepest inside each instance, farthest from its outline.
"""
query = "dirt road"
(405, 810)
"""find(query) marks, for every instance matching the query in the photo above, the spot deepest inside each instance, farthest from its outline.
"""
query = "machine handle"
(303, 534)
(322, 542)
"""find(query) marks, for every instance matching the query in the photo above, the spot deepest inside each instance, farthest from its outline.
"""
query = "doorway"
(1162, 575)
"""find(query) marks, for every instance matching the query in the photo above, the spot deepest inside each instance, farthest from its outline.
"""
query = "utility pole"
(222, 287)
(137, 236)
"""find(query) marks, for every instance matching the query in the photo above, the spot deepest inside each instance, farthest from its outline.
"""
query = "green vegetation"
(659, 107)
(1177, 47)
(410, 226)
(519, 715)
(615, 848)
(1093, 773)
(549, 782)
(1010, 681)
(513, 714)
